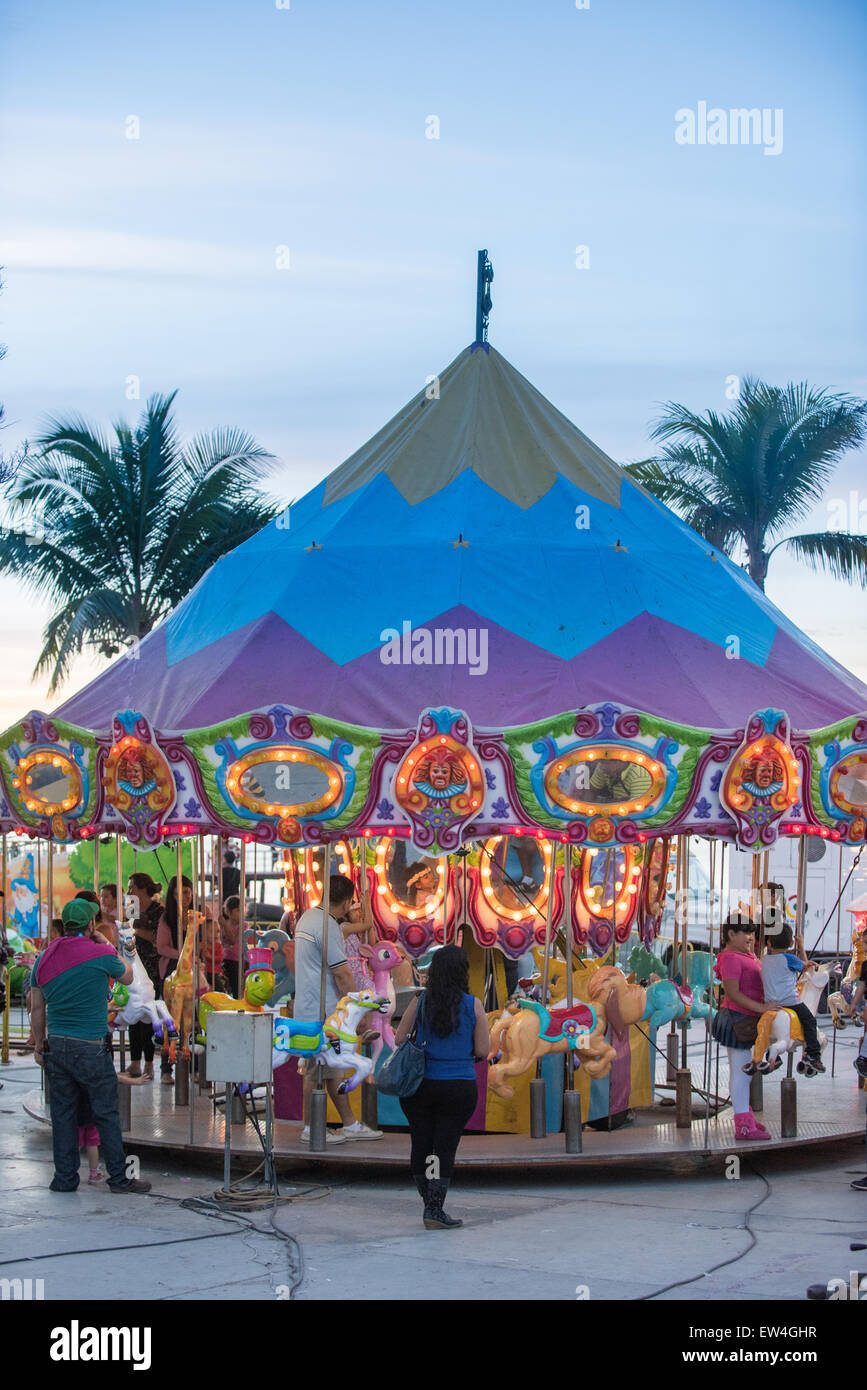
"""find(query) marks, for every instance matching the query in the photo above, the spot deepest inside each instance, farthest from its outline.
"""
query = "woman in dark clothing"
(454, 1032)
(141, 1040)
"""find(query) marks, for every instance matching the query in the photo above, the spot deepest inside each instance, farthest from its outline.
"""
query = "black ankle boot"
(435, 1219)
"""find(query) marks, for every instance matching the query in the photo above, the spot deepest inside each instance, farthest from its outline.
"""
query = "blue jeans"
(78, 1069)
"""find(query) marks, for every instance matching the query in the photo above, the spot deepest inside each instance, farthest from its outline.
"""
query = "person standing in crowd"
(338, 981)
(106, 929)
(69, 1003)
(453, 1030)
(141, 1041)
(171, 930)
(109, 914)
(735, 1026)
(230, 934)
(230, 875)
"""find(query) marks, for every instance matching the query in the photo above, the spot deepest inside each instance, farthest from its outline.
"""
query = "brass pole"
(50, 868)
(802, 892)
(242, 927)
(4, 1047)
(326, 908)
(194, 928)
(548, 924)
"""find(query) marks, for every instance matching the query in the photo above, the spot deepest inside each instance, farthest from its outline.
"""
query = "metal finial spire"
(484, 304)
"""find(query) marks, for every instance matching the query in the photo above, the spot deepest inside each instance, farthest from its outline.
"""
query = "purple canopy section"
(647, 664)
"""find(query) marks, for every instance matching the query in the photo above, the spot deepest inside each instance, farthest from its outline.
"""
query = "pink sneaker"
(746, 1127)
(95, 1178)
(757, 1124)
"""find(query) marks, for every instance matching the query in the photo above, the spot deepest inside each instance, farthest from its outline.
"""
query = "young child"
(780, 971)
(88, 1139)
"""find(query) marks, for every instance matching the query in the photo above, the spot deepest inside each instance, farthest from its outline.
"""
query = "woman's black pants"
(437, 1115)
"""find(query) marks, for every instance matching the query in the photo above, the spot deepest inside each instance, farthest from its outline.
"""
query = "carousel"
(483, 673)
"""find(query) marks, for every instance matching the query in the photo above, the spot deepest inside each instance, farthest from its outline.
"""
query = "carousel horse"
(178, 991)
(258, 991)
(644, 964)
(335, 1040)
(138, 1003)
(382, 957)
(839, 1003)
(520, 1037)
(780, 1029)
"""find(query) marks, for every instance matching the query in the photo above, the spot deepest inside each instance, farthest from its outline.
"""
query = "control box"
(239, 1046)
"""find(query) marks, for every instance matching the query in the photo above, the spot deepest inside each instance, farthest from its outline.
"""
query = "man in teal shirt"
(69, 1012)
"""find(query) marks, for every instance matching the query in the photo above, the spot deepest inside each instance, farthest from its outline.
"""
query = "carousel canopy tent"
(479, 507)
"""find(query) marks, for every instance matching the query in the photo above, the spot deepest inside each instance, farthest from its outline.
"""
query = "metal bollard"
(318, 1128)
(572, 1122)
(757, 1093)
(789, 1108)
(201, 1070)
(538, 1120)
(182, 1081)
(239, 1108)
(124, 1105)
(683, 1098)
(672, 1060)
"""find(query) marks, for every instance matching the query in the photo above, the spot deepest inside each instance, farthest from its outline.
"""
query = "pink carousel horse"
(382, 957)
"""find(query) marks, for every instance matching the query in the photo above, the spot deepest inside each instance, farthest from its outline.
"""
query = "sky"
(264, 134)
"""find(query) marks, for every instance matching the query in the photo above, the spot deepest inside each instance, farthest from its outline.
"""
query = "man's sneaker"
(816, 1063)
(859, 1185)
(331, 1136)
(134, 1185)
(360, 1131)
(860, 1065)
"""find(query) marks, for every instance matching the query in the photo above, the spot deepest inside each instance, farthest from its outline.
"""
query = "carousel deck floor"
(829, 1109)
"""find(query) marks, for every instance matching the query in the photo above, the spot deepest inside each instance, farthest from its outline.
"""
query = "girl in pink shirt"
(741, 976)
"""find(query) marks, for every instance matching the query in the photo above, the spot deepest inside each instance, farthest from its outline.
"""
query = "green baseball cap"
(79, 913)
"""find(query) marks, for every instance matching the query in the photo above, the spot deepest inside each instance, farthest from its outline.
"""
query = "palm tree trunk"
(758, 567)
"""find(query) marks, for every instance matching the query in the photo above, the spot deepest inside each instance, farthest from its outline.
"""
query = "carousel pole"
(802, 895)
(571, 1097)
(38, 844)
(50, 867)
(446, 903)
(239, 1110)
(707, 1023)
(839, 909)
(319, 1099)
(96, 862)
(671, 1048)
(683, 1079)
(182, 1064)
(119, 901)
(538, 1117)
(4, 1047)
(193, 993)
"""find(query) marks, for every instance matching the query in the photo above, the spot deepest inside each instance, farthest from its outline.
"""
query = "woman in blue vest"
(453, 1030)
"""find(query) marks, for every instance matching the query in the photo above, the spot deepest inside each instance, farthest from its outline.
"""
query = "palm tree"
(125, 526)
(745, 478)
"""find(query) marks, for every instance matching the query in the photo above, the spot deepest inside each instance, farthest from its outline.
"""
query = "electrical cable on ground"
(733, 1259)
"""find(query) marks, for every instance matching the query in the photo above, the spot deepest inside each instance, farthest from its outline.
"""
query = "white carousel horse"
(140, 1002)
(781, 1031)
(335, 1040)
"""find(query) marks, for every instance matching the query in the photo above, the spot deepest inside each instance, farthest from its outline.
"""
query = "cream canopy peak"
(479, 414)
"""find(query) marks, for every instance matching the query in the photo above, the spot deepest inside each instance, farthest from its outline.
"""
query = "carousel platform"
(829, 1109)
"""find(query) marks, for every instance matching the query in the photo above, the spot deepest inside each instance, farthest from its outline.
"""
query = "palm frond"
(839, 553)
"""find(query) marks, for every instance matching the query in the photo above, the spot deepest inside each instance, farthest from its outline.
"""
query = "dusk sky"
(306, 128)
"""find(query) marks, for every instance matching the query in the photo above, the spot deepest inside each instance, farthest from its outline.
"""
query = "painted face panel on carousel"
(762, 781)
